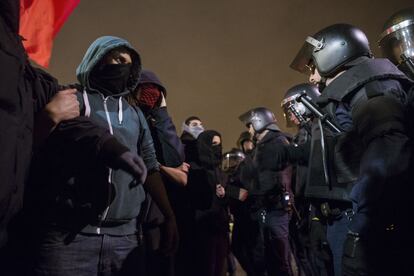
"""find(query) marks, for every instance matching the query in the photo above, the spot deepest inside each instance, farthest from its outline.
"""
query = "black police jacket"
(273, 173)
(374, 152)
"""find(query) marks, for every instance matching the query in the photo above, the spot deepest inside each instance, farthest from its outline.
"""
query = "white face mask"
(195, 131)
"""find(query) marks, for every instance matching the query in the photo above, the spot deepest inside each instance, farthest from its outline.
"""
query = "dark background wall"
(217, 58)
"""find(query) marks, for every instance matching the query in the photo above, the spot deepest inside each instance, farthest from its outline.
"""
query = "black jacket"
(369, 160)
(23, 91)
(273, 175)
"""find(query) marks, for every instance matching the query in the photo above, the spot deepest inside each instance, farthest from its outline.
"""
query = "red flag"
(40, 21)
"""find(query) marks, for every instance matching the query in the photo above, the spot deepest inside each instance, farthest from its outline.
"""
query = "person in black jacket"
(269, 194)
(235, 191)
(368, 162)
(29, 108)
(308, 226)
(212, 221)
(150, 96)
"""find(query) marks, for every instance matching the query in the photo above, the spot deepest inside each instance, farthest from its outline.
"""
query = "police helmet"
(290, 104)
(397, 37)
(260, 118)
(232, 159)
(330, 49)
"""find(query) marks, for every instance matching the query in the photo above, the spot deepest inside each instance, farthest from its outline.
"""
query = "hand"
(63, 106)
(133, 164)
(243, 194)
(169, 238)
(184, 167)
(220, 192)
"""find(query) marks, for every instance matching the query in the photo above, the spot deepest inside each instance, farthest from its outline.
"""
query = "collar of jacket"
(362, 71)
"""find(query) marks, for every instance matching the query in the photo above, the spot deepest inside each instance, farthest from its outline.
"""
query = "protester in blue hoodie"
(88, 212)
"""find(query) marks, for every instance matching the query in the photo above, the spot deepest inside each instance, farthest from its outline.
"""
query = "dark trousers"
(211, 253)
(300, 245)
(242, 242)
(60, 254)
(337, 230)
(272, 252)
(321, 255)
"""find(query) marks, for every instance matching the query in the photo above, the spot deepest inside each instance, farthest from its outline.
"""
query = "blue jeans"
(61, 254)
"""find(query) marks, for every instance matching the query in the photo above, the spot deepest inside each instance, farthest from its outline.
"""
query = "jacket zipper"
(105, 213)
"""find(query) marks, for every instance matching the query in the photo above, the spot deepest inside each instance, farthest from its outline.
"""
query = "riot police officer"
(397, 40)
(269, 194)
(236, 191)
(308, 227)
(367, 163)
(245, 142)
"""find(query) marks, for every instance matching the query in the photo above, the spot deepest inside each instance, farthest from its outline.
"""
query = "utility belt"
(269, 202)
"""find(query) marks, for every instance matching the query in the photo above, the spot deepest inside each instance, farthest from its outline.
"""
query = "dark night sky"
(217, 58)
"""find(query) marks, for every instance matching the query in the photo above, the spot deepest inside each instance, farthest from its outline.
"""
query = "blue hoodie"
(124, 195)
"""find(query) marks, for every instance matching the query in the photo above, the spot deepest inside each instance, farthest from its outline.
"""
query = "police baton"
(317, 112)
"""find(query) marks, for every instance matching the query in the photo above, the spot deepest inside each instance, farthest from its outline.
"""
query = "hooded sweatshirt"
(95, 199)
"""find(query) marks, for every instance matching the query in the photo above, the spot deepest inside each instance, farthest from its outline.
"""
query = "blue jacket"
(89, 197)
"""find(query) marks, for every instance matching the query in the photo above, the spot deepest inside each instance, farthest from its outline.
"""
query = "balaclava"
(110, 79)
(209, 154)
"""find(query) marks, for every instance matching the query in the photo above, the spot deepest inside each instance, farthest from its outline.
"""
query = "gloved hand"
(133, 164)
(169, 238)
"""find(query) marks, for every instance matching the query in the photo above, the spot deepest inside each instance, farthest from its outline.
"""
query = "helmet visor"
(246, 118)
(398, 42)
(303, 60)
(294, 111)
(231, 161)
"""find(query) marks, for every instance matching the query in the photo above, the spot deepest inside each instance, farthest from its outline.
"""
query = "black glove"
(133, 164)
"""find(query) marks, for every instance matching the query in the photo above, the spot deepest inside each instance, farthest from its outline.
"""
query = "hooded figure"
(104, 85)
(89, 202)
(150, 96)
(211, 213)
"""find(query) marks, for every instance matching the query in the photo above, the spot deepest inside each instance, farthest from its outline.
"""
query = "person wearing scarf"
(212, 221)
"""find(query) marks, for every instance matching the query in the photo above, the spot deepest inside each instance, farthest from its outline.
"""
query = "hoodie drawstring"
(120, 112)
(108, 119)
(87, 105)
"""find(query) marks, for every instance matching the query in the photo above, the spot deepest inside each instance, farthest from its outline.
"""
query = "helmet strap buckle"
(317, 44)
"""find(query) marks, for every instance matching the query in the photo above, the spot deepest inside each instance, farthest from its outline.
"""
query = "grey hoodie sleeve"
(146, 145)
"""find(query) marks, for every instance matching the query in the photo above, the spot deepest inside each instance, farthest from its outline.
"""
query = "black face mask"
(209, 155)
(110, 79)
(217, 153)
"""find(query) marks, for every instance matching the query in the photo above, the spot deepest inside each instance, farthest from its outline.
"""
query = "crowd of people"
(95, 179)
